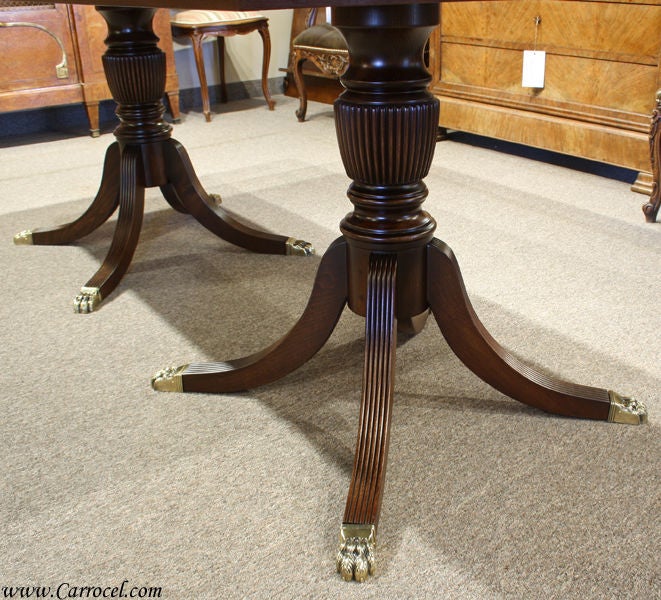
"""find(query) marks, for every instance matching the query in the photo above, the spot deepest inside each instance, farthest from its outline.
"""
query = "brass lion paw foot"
(299, 247)
(626, 410)
(355, 560)
(169, 379)
(88, 299)
(23, 237)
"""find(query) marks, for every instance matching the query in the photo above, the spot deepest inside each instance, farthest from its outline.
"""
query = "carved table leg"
(651, 208)
(197, 202)
(100, 210)
(309, 334)
(125, 240)
(355, 559)
(473, 344)
(145, 156)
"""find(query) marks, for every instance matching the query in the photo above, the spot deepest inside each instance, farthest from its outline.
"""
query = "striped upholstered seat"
(196, 25)
(203, 18)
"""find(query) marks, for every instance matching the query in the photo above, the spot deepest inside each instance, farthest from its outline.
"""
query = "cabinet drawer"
(610, 85)
(29, 56)
(623, 31)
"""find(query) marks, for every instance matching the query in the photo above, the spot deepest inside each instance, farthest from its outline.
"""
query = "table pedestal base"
(143, 156)
(467, 337)
(388, 267)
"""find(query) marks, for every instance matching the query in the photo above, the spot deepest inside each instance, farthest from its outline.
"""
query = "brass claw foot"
(169, 380)
(23, 237)
(626, 410)
(88, 299)
(299, 247)
(355, 560)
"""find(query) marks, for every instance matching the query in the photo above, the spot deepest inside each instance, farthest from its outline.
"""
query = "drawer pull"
(61, 69)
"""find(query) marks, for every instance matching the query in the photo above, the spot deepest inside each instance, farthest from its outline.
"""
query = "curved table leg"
(303, 341)
(355, 559)
(196, 201)
(100, 210)
(170, 195)
(125, 239)
(413, 325)
(475, 347)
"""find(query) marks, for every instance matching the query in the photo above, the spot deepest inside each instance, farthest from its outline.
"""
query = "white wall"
(243, 54)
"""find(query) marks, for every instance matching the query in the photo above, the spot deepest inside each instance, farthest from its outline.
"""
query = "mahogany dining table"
(386, 266)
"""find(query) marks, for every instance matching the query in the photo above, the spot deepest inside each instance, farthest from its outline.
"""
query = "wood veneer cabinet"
(602, 72)
(50, 54)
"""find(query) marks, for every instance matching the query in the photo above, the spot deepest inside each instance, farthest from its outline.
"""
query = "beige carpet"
(241, 496)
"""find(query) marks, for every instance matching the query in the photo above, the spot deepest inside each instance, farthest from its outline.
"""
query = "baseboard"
(191, 98)
(72, 118)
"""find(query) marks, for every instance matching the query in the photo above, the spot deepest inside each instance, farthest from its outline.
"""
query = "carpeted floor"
(241, 495)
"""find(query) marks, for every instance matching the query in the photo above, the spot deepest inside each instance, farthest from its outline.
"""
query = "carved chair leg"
(125, 240)
(475, 347)
(266, 43)
(651, 208)
(197, 39)
(303, 341)
(220, 43)
(100, 210)
(300, 86)
(355, 559)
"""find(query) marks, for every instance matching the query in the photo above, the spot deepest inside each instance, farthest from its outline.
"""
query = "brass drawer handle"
(61, 69)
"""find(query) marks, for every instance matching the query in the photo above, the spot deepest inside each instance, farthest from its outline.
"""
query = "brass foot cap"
(169, 380)
(88, 299)
(355, 560)
(299, 247)
(626, 410)
(23, 237)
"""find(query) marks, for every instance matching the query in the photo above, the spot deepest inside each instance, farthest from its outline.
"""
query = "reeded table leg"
(145, 156)
(309, 334)
(125, 240)
(390, 269)
(356, 559)
(100, 210)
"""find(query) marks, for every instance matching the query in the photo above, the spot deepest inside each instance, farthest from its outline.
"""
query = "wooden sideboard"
(50, 54)
(603, 68)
